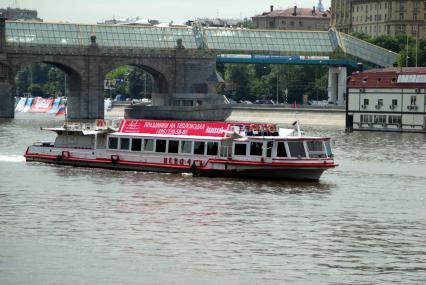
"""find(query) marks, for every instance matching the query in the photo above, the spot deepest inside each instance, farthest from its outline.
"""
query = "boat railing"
(99, 124)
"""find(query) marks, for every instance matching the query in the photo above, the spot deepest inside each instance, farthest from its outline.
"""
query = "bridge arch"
(73, 81)
(162, 86)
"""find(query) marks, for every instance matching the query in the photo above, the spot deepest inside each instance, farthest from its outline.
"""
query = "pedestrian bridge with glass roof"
(335, 45)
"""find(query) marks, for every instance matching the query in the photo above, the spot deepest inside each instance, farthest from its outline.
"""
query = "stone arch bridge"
(181, 60)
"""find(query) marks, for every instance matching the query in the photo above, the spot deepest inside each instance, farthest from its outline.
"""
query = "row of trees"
(285, 83)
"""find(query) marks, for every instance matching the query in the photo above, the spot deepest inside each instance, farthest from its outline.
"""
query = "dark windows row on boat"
(315, 149)
(164, 146)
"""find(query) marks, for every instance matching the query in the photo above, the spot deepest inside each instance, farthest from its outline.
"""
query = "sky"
(178, 11)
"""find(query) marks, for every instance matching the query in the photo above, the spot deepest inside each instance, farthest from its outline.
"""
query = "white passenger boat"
(202, 148)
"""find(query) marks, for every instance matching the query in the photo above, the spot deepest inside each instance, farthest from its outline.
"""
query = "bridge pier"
(337, 85)
(7, 99)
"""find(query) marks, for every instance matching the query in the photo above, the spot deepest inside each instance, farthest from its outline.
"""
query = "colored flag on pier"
(61, 110)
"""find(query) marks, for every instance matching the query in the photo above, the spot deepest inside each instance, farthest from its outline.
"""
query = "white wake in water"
(12, 158)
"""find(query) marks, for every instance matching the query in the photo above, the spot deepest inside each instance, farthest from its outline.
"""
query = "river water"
(364, 222)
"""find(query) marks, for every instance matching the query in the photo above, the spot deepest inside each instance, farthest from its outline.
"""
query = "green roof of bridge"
(216, 39)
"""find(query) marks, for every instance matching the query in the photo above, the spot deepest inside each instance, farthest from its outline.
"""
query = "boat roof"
(84, 131)
(182, 128)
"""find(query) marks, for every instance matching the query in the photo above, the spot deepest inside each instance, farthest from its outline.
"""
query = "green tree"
(36, 90)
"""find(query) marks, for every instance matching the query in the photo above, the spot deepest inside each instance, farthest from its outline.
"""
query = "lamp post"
(277, 89)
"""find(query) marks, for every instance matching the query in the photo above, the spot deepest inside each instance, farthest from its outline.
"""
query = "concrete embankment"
(324, 116)
(305, 115)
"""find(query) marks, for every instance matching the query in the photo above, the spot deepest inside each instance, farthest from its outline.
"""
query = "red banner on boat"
(41, 105)
(210, 129)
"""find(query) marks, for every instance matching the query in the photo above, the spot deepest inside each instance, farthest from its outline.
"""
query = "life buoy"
(114, 159)
(100, 123)
(271, 128)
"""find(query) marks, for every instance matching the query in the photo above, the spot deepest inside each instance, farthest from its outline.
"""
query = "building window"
(414, 28)
(366, 102)
(366, 118)
(380, 119)
(394, 102)
(292, 24)
(401, 16)
(394, 119)
(402, 28)
(413, 100)
(300, 24)
(271, 24)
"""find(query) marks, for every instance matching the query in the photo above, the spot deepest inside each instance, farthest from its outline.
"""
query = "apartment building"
(293, 19)
(380, 17)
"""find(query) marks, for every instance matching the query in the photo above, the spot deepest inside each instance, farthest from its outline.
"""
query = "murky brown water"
(364, 222)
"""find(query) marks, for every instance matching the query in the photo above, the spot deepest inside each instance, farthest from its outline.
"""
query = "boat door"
(269, 146)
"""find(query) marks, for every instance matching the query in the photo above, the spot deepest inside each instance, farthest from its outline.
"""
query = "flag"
(61, 110)
(294, 104)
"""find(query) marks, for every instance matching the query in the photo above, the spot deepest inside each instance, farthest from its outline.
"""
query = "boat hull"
(309, 173)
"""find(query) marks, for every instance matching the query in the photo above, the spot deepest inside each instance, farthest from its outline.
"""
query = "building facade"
(390, 99)
(293, 19)
(18, 14)
(380, 17)
(341, 15)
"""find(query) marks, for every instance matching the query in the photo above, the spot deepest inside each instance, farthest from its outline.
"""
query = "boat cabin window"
(160, 146)
(124, 143)
(186, 147)
(256, 148)
(328, 149)
(113, 143)
(136, 144)
(212, 148)
(148, 144)
(281, 151)
(199, 148)
(297, 149)
(316, 149)
(240, 149)
(315, 146)
(173, 146)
